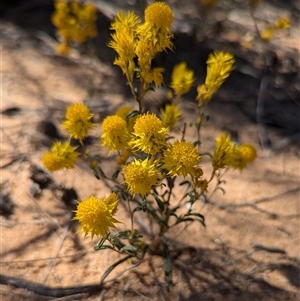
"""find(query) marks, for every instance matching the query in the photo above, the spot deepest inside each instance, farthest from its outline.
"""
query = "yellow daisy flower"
(74, 22)
(248, 154)
(149, 134)
(156, 31)
(181, 158)
(78, 121)
(115, 135)
(158, 39)
(129, 21)
(282, 23)
(170, 115)
(182, 79)
(154, 75)
(227, 154)
(123, 43)
(96, 215)
(219, 67)
(159, 15)
(140, 176)
(61, 155)
(145, 52)
(268, 33)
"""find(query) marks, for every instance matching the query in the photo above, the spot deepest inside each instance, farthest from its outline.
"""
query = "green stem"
(107, 272)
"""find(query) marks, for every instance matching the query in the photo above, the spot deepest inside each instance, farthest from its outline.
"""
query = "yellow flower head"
(129, 21)
(202, 184)
(268, 33)
(282, 23)
(124, 40)
(123, 112)
(182, 79)
(227, 154)
(180, 158)
(156, 31)
(140, 176)
(74, 22)
(158, 39)
(248, 154)
(159, 15)
(145, 52)
(61, 155)
(96, 215)
(155, 75)
(219, 67)
(149, 134)
(205, 93)
(123, 43)
(115, 134)
(78, 121)
(170, 115)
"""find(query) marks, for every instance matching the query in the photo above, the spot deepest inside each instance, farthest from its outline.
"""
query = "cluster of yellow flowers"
(75, 22)
(153, 159)
(137, 43)
(227, 154)
(279, 25)
(219, 66)
(147, 154)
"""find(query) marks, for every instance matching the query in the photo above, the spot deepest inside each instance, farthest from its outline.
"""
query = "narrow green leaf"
(131, 114)
(220, 188)
(185, 219)
(202, 222)
(197, 143)
(100, 171)
(200, 216)
(122, 234)
(130, 249)
(159, 202)
(97, 176)
(104, 247)
(196, 214)
(171, 212)
(116, 173)
(184, 183)
(101, 242)
(138, 208)
(144, 205)
(155, 216)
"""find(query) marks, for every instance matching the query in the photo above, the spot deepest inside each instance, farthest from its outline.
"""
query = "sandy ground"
(249, 249)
